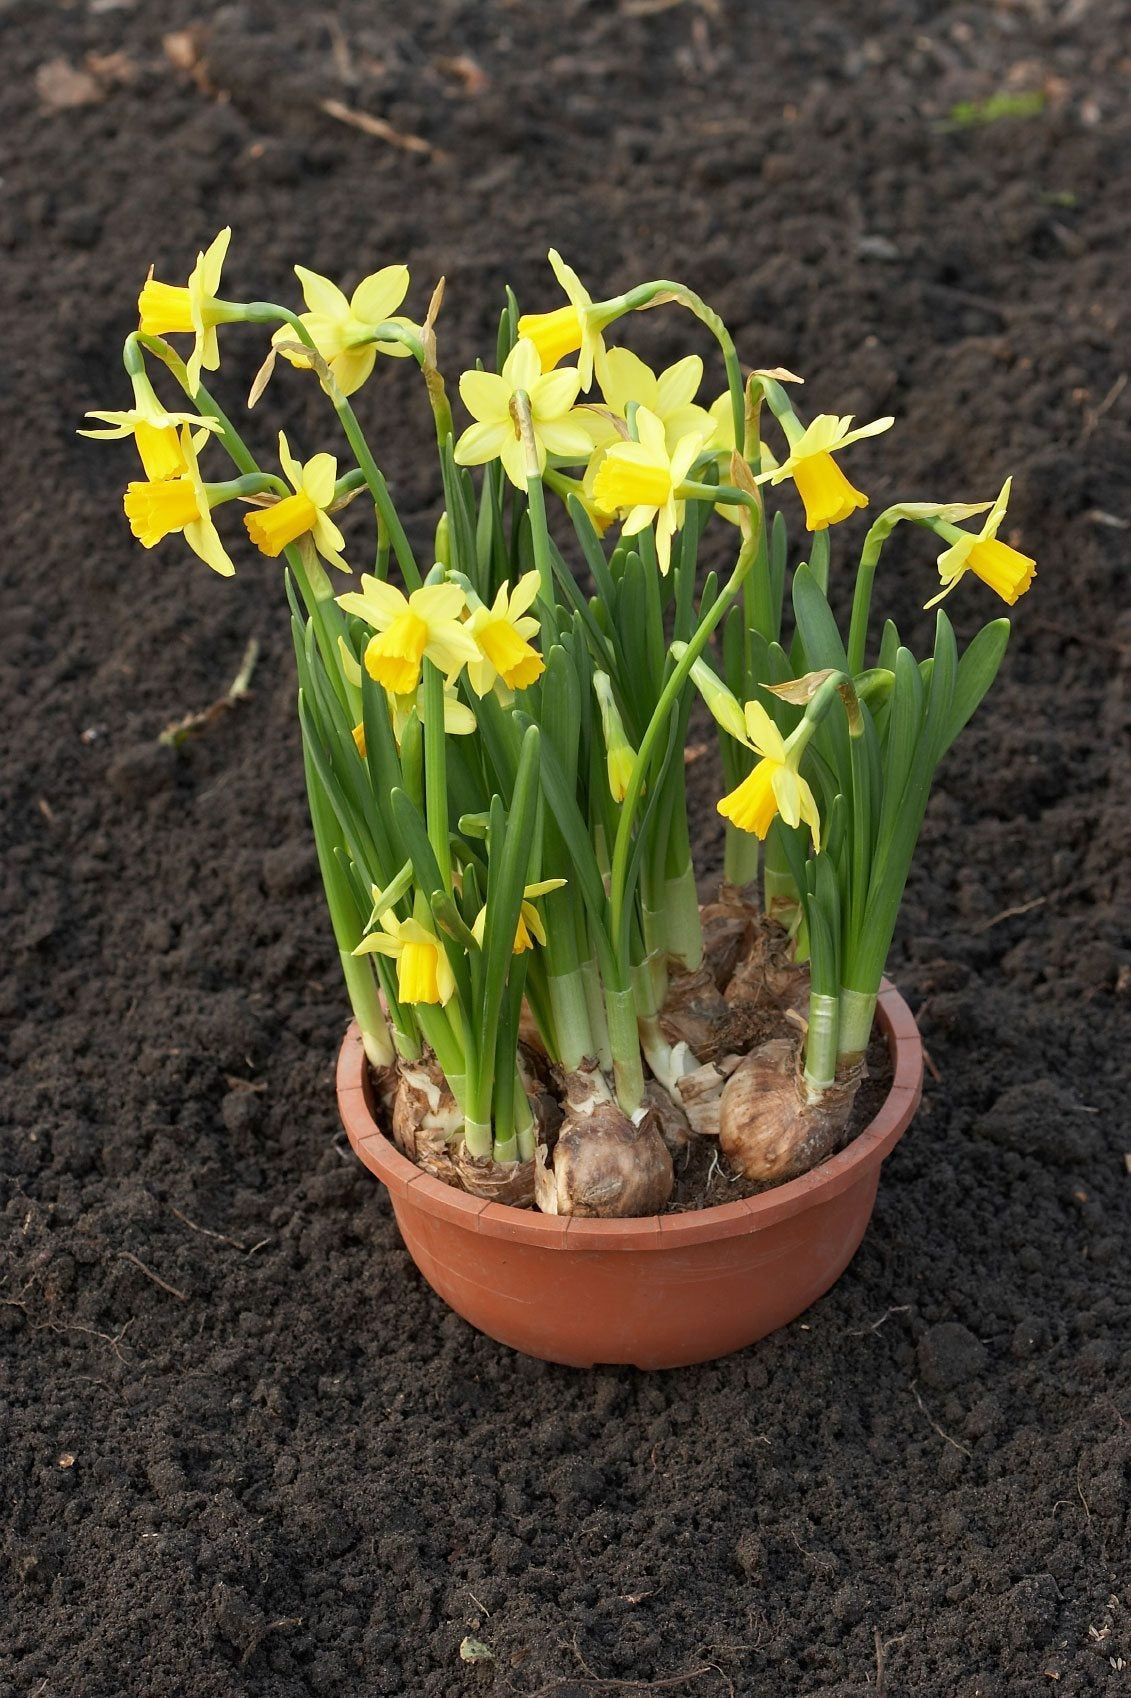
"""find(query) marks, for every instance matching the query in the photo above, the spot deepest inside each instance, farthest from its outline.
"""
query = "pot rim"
(694, 1226)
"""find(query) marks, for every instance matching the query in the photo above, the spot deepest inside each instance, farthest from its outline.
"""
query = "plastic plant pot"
(662, 1291)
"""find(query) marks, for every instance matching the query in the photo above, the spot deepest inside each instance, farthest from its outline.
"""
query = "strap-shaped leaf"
(815, 624)
(976, 672)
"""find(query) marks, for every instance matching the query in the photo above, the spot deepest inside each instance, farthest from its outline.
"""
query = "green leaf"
(816, 625)
(976, 672)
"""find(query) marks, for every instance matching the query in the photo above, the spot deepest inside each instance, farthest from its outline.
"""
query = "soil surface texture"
(245, 1449)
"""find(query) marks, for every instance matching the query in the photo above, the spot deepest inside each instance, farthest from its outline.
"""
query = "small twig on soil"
(128, 1256)
(609, 1684)
(862, 1332)
(1009, 914)
(1083, 1499)
(207, 1232)
(175, 733)
(1093, 417)
(112, 1339)
(372, 126)
(929, 1064)
(881, 1658)
(284, 1621)
(965, 1449)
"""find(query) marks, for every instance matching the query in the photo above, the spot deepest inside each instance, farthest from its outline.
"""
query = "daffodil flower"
(167, 309)
(640, 479)
(774, 786)
(569, 329)
(306, 512)
(409, 628)
(1008, 572)
(489, 397)
(670, 395)
(424, 973)
(502, 632)
(459, 721)
(531, 929)
(342, 329)
(155, 430)
(157, 508)
(822, 486)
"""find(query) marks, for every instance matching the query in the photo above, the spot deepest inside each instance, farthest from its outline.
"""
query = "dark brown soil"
(245, 1449)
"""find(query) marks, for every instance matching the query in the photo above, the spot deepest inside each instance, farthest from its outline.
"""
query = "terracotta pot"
(659, 1292)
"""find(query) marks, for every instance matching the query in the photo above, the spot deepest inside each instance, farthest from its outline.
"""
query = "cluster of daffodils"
(494, 731)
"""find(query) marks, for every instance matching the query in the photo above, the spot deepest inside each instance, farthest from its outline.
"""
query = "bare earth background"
(246, 1451)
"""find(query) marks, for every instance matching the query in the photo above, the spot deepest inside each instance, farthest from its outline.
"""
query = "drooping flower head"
(530, 929)
(502, 633)
(424, 973)
(1008, 572)
(304, 513)
(156, 509)
(408, 628)
(774, 786)
(167, 309)
(495, 435)
(640, 479)
(156, 432)
(569, 329)
(342, 329)
(826, 492)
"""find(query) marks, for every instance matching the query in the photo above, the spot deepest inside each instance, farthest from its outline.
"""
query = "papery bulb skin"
(695, 1013)
(767, 976)
(772, 1127)
(605, 1166)
(510, 1182)
(728, 927)
(675, 1128)
(427, 1120)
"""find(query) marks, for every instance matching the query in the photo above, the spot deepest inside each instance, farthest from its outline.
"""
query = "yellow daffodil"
(342, 329)
(774, 786)
(721, 443)
(502, 632)
(167, 309)
(156, 509)
(426, 623)
(569, 329)
(306, 512)
(489, 396)
(822, 486)
(459, 721)
(155, 431)
(640, 480)
(424, 973)
(1008, 572)
(530, 928)
(670, 395)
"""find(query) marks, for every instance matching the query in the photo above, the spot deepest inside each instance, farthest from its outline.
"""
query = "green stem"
(862, 594)
(656, 726)
(857, 1011)
(624, 1042)
(435, 771)
(821, 1042)
(740, 857)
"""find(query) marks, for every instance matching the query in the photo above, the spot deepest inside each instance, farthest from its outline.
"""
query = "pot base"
(660, 1291)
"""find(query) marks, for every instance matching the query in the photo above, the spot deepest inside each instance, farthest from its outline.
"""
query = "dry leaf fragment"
(61, 85)
(462, 68)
